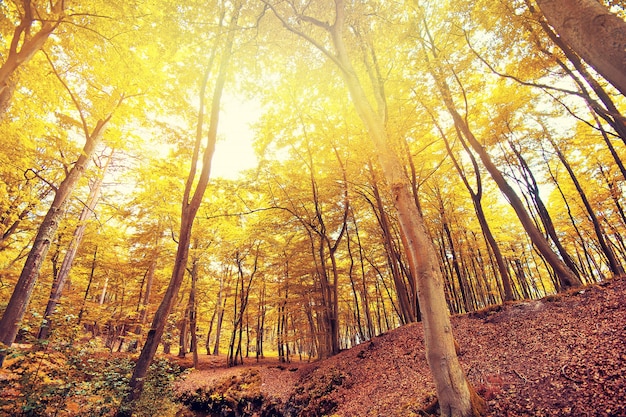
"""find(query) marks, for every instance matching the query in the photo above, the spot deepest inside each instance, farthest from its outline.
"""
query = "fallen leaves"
(561, 356)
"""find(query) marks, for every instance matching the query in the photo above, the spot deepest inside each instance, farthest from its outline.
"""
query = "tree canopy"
(470, 150)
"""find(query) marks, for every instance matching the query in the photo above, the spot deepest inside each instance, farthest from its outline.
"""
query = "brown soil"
(560, 356)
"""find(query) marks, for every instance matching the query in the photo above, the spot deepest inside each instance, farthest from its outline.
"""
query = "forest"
(238, 180)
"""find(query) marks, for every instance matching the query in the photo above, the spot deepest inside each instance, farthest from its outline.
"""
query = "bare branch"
(303, 35)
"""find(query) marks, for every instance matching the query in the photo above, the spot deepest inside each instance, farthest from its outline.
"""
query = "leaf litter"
(563, 355)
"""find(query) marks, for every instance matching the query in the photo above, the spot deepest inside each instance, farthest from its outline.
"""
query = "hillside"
(560, 356)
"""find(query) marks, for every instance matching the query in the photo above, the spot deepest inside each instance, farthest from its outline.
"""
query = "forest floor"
(563, 355)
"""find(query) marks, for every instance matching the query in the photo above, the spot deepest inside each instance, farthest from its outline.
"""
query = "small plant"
(158, 397)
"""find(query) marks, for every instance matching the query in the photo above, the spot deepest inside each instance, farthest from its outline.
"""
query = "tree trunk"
(218, 329)
(207, 344)
(364, 289)
(64, 272)
(193, 314)
(455, 395)
(190, 206)
(182, 334)
(30, 44)
(22, 292)
(91, 274)
(593, 32)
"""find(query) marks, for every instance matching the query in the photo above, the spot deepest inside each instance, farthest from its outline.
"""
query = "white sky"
(233, 151)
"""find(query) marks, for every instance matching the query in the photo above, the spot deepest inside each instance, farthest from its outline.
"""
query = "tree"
(455, 395)
(20, 297)
(192, 199)
(36, 24)
(594, 33)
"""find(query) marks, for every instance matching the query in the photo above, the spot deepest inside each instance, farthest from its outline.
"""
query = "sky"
(233, 151)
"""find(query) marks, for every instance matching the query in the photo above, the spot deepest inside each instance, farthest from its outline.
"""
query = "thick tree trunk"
(22, 292)
(593, 32)
(455, 395)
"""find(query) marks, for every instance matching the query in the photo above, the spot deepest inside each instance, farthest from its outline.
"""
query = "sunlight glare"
(234, 152)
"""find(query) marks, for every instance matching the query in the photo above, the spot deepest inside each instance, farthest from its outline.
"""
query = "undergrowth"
(61, 377)
(237, 396)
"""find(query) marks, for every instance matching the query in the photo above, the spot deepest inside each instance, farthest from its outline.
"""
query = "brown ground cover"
(560, 356)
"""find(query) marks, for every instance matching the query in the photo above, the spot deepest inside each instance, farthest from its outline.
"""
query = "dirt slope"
(560, 356)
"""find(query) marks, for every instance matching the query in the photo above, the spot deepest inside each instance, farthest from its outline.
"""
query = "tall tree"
(22, 292)
(192, 199)
(455, 395)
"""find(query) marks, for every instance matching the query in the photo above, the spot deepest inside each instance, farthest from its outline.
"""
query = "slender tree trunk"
(207, 344)
(218, 329)
(91, 274)
(61, 278)
(190, 206)
(260, 326)
(22, 292)
(355, 292)
(183, 331)
(193, 313)
(145, 300)
(364, 287)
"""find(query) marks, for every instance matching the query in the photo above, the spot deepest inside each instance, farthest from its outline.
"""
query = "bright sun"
(233, 151)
